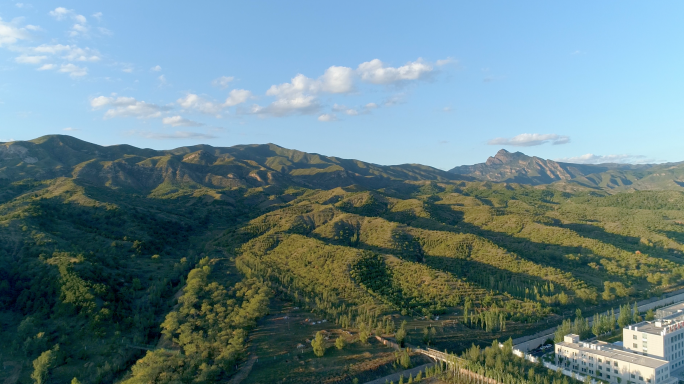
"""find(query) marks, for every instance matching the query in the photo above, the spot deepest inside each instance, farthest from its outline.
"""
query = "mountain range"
(127, 265)
(516, 167)
(124, 166)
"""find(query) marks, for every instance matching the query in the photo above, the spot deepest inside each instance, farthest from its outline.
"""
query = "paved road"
(395, 376)
(527, 343)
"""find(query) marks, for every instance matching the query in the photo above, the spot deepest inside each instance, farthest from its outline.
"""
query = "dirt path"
(395, 376)
(244, 371)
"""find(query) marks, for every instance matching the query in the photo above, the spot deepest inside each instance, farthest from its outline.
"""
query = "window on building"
(634, 337)
(608, 376)
(615, 363)
(600, 374)
(591, 372)
(635, 345)
(615, 370)
(641, 378)
(632, 375)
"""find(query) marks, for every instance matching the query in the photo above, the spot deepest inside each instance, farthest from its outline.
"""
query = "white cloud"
(447, 109)
(300, 94)
(82, 54)
(327, 117)
(375, 72)
(46, 67)
(352, 111)
(196, 103)
(127, 70)
(175, 135)
(98, 16)
(394, 100)
(19, 5)
(127, 107)
(156, 68)
(79, 28)
(69, 129)
(26, 59)
(178, 121)
(73, 70)
(60, 13)
(446, 61)
(70, 52)
(222, 82)
(530, 139)
(162, 80)
(10, 33)
(105, 31)
(33, 27)
(51, 49)
(337, 80)
(590, 158)
(237, 96)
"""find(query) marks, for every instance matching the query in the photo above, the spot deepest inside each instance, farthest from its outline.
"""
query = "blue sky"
(436, 83)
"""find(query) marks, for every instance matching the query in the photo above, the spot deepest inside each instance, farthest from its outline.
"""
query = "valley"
(211, 257)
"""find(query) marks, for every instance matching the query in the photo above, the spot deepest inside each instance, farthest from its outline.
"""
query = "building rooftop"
(669, 319)
(612, 351)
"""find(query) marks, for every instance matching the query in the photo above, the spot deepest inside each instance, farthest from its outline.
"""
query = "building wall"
(585, 362)
(644, 343)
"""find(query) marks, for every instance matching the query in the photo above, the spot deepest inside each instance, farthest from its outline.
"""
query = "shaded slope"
(124, 166)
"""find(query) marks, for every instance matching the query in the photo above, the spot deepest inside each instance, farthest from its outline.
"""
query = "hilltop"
(124, 166)
(165, 264)
(516, 167)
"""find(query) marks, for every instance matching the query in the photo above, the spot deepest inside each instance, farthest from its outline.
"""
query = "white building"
(611, 363)
(651, 352)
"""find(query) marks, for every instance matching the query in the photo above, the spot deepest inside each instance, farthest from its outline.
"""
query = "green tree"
(405, 359)
(426, 336)
(42, 365)
(625, 316)
(75, 381)
(635, 313)
(400, 336)
(318, 344)
(596, 325)
(650, 315)
(339, 343)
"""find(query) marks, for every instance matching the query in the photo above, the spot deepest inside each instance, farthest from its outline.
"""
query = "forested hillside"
(120, 264)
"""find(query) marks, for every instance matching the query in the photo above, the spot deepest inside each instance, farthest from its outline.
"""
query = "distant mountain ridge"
(144, 169)
(516, 167)
(126, 166)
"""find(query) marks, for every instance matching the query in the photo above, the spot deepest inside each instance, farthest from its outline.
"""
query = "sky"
(389, 82)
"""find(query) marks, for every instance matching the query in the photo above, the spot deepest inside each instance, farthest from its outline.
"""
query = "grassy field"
(275, 343)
